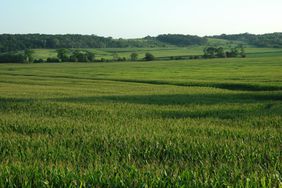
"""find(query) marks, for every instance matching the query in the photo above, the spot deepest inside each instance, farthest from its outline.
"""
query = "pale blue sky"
(139, 18)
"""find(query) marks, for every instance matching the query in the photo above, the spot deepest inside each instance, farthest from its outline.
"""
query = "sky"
(140, 18)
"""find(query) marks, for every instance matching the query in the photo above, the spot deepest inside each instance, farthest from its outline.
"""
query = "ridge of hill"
(15, 42)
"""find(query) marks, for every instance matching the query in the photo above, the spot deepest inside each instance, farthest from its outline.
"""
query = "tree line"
(68, 55)
(272, 40)
(80, 55)
(18, 57)
(9, 42)
(220, 52)
(182, 40)
(17, 42)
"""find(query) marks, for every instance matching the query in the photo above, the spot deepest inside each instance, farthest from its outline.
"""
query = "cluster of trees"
(149, 57)
(134, 57)
(19, 57)
(220, 52)
(66, 55)
(9, 42)
(273, 40)
(75, 55)
(182, 40)
(63, 55)
(12, 58)
(16, 42)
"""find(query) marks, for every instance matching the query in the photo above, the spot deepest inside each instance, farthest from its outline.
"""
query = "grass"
(198, 123)
(108, 53)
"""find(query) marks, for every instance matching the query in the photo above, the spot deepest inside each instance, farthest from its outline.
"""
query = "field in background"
(108, 53)
(196, 123)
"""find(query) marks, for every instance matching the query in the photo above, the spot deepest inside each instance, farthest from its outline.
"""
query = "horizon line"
(139, 37)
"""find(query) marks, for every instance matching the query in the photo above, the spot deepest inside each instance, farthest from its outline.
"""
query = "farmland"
(107, 53)
(191, 123)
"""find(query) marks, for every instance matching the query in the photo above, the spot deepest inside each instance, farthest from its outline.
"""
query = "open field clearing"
(108, 53)
(198, 123)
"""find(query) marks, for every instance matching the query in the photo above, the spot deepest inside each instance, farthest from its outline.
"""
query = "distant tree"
(53, 60)
(234, 52)
(90, 56)
(210, 52)
(73, 58)
(213, 52)
(149, 57)
(265, 40)
(134, 57)
(12, 58)
(121, 59)
(38, 61)
(182, 40)
(19, 42)
(52, 43)
(28, 56)
(62, 54)
(81, 56)
(242, 51)
(115, 57)
(220, 52)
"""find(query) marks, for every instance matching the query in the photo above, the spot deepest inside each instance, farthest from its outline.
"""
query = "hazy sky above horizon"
(139, 18)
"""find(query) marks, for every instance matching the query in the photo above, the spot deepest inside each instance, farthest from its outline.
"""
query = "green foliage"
(149, 57)
(115, 56)
(17, 57)
(273, 40)
(161, 53)
(12, 58)
(201, 123)
(53, 60)
(9, 42)
(38, 61)
(18, 42)
(67, 55)
(233, 53)
(134, 56)
(79, 56)
(63, 55)
(182, 40)
(90, 56)
(210, 52)
(242, 51)
(29, 56)
(219, 52)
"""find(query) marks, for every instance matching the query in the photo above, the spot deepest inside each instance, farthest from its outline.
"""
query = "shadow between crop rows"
(178, 99)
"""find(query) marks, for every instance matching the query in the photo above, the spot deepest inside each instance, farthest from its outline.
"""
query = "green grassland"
(192, 123)
(108, 53)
